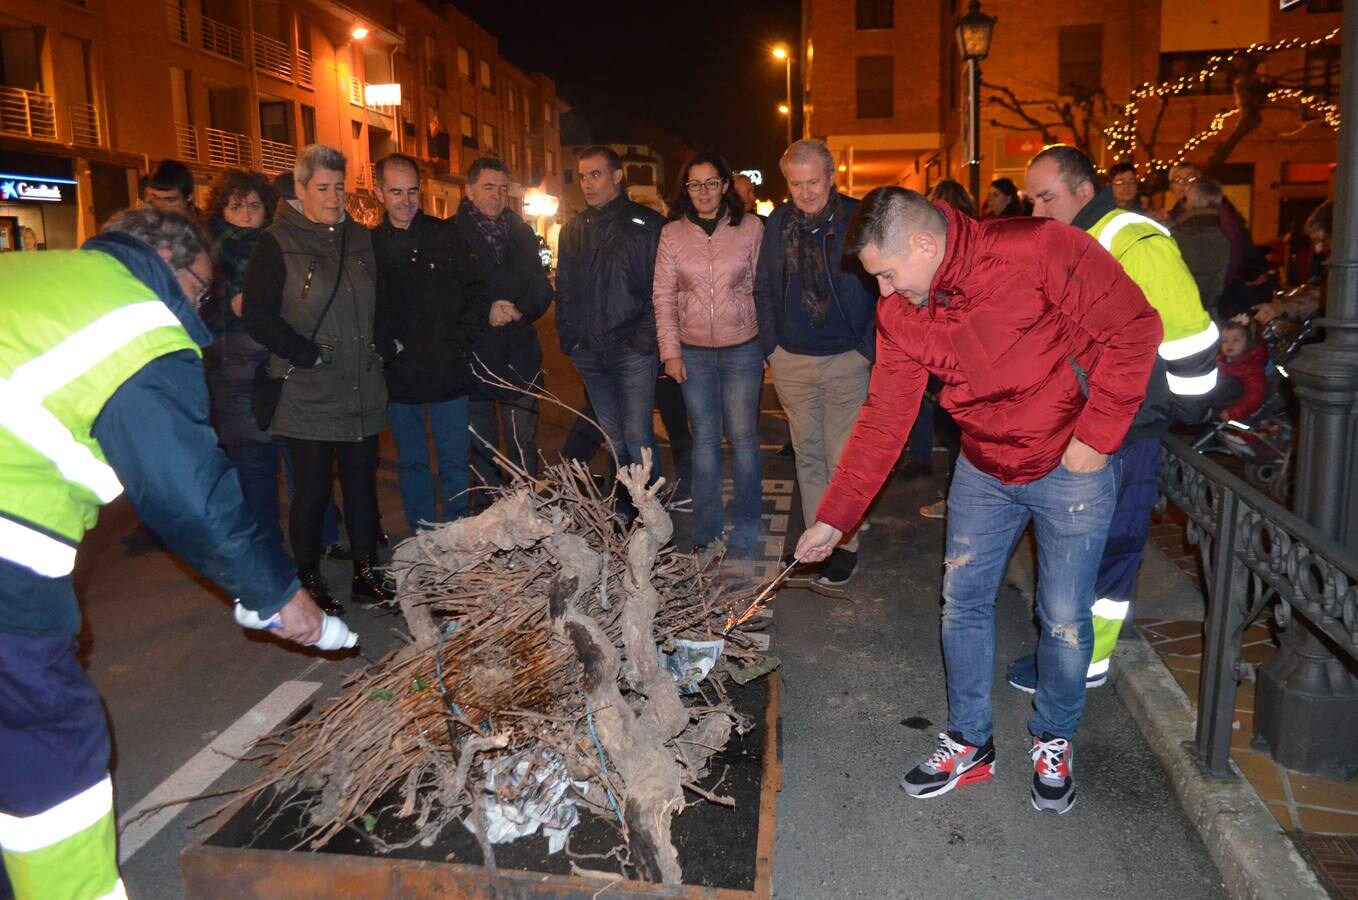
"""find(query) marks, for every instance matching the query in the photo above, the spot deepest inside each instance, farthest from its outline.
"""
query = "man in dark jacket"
(1204, 246)
(815, 312)
(1043, 370)
(604, 314)
(104, 393)
(507, 358)
(434, 293)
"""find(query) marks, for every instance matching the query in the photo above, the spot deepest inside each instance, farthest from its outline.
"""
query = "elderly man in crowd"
(815, 310)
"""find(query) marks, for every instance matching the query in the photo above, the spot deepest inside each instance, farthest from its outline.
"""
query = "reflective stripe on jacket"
(74, 326)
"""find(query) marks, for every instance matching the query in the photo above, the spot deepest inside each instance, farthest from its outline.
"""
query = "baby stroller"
(1263, 442)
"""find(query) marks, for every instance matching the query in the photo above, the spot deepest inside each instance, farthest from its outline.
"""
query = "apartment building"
(883, 85)
(94, 92)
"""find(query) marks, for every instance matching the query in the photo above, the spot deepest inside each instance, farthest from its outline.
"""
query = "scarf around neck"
(495, 231)
(802, 235)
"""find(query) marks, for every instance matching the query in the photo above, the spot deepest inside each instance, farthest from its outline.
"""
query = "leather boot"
(320, 592)
(369, 585)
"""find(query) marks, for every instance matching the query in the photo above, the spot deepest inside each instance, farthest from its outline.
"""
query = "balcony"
(272, 57)
(27, 114)
(303, 68)
(276, 157)
(223, 40)
(186, 142)
(84, 123)
(177, 20)
(355, 91)
(227, 149)
(363, 175)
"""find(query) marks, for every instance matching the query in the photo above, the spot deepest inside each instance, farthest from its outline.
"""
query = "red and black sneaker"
(1053, 774)
(953, 763)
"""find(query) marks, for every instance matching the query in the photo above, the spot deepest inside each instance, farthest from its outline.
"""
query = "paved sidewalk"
(863, 700)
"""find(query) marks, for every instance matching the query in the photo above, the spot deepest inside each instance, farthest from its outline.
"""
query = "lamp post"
(974, 31)
(781, 52)
(1306, 694)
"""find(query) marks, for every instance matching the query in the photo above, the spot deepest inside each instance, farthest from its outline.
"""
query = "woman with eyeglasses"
(708, 335)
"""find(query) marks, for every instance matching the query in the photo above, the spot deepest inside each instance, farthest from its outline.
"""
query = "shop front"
(38, 203)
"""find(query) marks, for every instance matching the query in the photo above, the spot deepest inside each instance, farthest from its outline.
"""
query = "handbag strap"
(339, 276)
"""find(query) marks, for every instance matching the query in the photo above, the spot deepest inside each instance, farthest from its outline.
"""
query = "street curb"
(1256, 858)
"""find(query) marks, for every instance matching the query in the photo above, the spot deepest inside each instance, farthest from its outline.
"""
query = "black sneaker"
(1053, 774)
(953, 764)
(840, 567)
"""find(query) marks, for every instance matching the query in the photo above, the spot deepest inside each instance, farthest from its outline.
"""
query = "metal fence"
(186, 141)
(1254, 552)
(223, 39)
(84, 123)
(27, 114)
(227, 148)
(303, 68)
(276, 157)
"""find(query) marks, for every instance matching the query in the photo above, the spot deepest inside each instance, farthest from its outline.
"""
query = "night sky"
(683, 77)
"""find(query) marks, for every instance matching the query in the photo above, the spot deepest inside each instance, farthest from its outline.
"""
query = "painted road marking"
(209, 764)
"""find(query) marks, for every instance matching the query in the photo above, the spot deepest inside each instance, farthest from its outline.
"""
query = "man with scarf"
(507, 358)
(431, 285)
(816, 312)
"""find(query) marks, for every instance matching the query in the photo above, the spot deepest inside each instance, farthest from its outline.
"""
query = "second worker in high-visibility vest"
(1064, 186)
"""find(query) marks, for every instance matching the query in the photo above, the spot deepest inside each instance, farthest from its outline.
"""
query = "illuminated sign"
(382, 94)
(32, 188)
(756, 177)
(537, 203)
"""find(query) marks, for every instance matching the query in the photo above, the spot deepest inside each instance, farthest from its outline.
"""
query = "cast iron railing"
(1254, 552)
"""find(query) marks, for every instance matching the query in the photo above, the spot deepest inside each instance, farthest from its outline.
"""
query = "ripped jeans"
(1071, 514)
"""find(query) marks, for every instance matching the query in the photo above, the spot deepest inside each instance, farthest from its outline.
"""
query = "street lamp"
(974, 31)
(781, 52)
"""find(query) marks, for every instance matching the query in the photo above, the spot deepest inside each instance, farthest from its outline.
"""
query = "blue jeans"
(722, 396)
(1071, 515)
(420, 489)
(257, 466)
(621, 388)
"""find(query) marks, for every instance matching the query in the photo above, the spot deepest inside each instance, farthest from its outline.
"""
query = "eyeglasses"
(1183, 179)
(204, 288)
(710, 184)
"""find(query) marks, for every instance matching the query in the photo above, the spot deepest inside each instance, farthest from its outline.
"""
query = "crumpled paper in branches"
(691, 661)
(527, 790)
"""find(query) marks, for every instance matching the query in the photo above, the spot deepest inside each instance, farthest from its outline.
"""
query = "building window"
(1325, 6)
(514, 156)
(875, 95)
(876, 14)
(468, 131)
(551, 161)
(484, 68)
(509, 98)
(1322, 71)
(464, 63)
(1174, 66)
(547, 113)
(487, 136)
(434, 73)
(308, 125)
(1081, 61)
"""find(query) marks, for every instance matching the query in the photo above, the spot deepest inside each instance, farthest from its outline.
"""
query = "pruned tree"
(1082, 117)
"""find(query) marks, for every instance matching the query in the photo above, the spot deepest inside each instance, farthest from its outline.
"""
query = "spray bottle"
(335, 635)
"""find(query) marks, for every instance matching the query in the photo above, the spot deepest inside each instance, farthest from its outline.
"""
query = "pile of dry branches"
(533, 625)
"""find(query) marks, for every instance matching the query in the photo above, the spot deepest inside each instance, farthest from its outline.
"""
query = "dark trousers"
(313, 464)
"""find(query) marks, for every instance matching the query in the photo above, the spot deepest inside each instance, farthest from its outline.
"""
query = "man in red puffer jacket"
(1044, 347)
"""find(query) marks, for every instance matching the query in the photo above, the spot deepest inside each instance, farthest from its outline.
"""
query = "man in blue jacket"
(816, 312)
(102, 391)
(507, 358)
(604, 314)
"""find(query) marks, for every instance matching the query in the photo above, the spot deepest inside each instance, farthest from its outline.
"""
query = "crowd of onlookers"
(426, 326)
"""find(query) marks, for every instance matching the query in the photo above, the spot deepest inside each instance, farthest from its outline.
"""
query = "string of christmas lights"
(1122, 135)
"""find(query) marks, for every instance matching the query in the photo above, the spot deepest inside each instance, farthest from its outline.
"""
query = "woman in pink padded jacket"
(708, 335)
